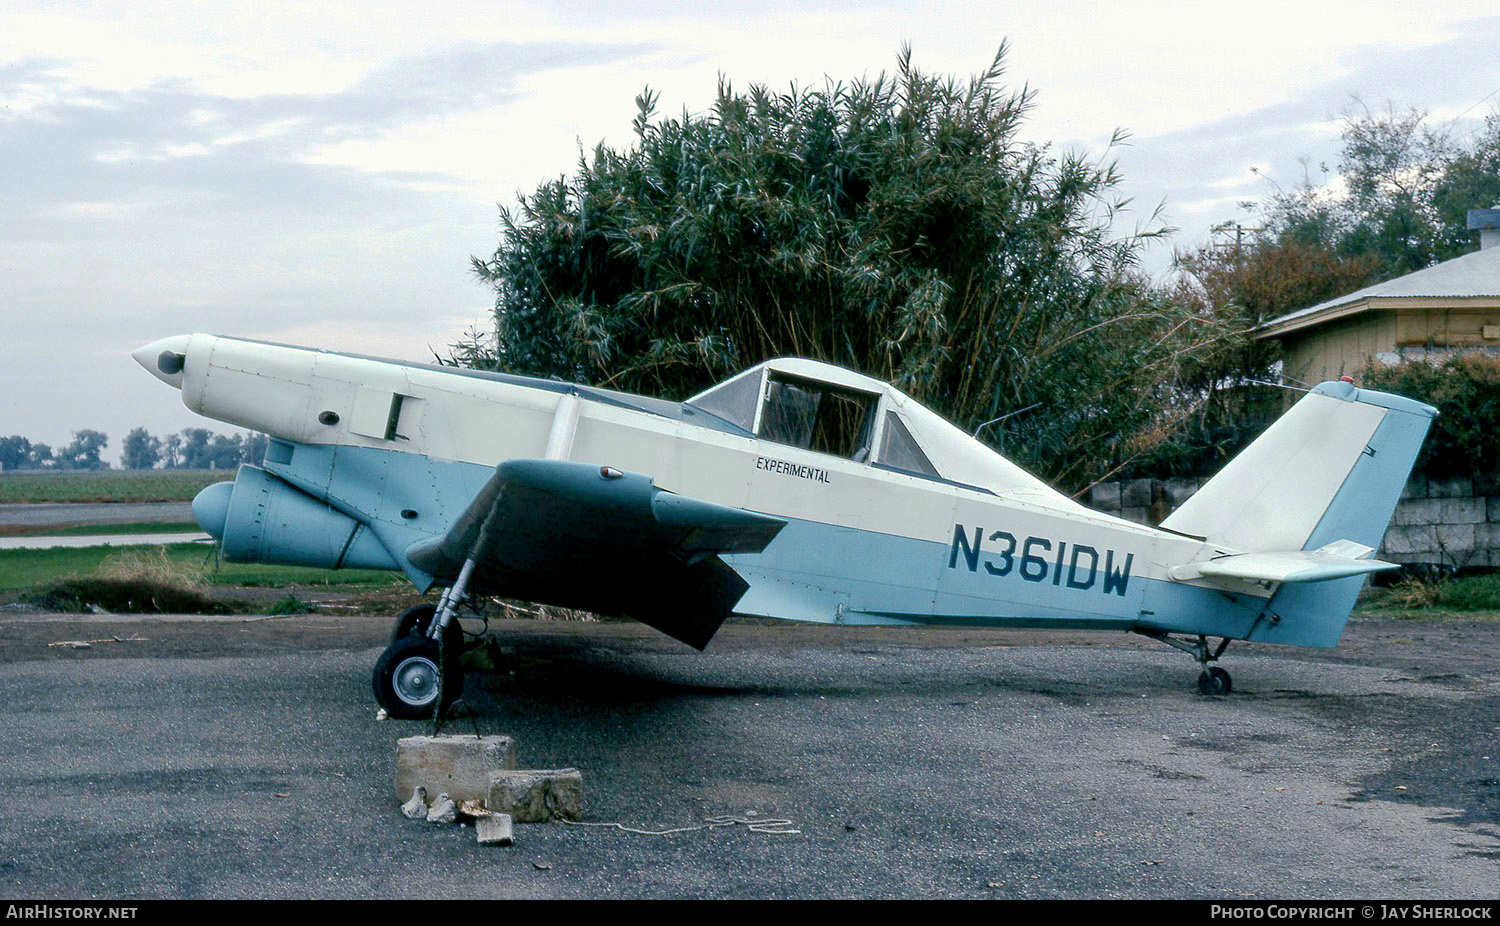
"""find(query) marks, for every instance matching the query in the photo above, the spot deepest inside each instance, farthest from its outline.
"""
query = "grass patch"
(137, 581)
(1468, 597)
(101, 530)
(291, 604)
(121, 485)
(130, 596)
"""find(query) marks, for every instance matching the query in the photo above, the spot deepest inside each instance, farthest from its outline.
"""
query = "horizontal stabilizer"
(1337, 560)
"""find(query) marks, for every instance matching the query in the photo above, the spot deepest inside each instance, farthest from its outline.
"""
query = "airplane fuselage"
(396, 451)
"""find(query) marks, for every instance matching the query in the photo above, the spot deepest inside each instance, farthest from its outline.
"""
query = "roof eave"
(1282, 326)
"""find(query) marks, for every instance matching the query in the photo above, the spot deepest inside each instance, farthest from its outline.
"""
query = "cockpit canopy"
(828, 409)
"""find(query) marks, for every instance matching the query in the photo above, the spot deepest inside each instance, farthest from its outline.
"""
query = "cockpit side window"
(899, 450)
(817, 416)
(733, 400)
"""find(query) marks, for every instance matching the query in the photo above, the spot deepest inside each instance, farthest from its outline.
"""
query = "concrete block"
(1138, 515)
(1487, 484)
(494, 830)
(1105, 496)
(1455, 539)
(1459, 487)
(1135, 494)
(457, 765)
(1418, 511)
(1406, 540)
(1492, 506)
(1182, 489)
(1416, 487)
(537, 795)
(1487, 536)
(1462, 510)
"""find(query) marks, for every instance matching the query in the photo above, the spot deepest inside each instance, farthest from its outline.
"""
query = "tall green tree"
(84, 451)
(15, 452)
(897, 226)
(1400, 196)
(140, 450)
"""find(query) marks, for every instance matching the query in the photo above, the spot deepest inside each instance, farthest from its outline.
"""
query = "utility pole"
(1239, 235)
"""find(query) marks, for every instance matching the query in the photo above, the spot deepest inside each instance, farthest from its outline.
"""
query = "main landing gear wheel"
(406, 677)
(419, 674)
(415, 619)
(1214, 681)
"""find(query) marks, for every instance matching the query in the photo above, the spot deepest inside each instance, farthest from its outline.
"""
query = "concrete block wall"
(1449, 522)
(1131, 498)
(1452, 522)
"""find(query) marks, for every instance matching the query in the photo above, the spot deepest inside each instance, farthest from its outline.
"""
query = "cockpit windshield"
(734, 400)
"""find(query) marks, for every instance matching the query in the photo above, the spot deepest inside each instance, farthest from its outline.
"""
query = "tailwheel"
(406, 678)
(1214, 681)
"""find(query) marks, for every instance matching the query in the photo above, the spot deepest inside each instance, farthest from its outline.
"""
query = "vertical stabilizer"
(1330, 469)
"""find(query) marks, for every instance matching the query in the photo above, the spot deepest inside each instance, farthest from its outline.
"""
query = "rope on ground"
(753, 823)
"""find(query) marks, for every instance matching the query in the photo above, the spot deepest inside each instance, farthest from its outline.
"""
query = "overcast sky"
(321, 173)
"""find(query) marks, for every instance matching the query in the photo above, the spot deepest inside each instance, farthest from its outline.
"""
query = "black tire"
(1215, 682)
(405, 678)
(414, 619)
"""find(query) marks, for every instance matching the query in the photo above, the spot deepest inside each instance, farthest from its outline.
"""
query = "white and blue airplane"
(795, 490)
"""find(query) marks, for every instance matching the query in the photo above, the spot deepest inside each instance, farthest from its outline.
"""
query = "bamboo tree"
(895, 225)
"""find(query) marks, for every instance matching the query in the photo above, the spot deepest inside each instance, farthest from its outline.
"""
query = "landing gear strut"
(1212, 681)
(419, 674)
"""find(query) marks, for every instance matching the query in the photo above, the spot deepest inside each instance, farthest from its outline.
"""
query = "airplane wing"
(598, 539)
(1337, 560)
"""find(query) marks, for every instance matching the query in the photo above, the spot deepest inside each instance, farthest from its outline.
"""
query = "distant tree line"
(17, 452)
(191, 448)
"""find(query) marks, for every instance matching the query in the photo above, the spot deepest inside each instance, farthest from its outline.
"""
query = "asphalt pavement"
(243, 758)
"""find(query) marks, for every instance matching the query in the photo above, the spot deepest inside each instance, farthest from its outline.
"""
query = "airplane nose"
(164, 359)
(211, 508)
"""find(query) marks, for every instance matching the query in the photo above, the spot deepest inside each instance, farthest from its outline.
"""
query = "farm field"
(118, 485)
